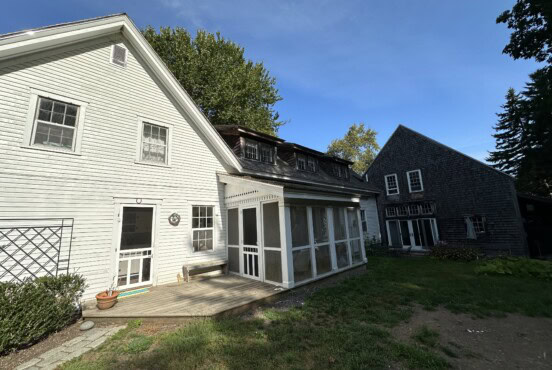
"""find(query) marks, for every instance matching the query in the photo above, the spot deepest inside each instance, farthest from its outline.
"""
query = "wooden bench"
(199, 268)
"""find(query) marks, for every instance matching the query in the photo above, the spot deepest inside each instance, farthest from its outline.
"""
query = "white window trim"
(191, 229)
(111, 55)
(421, 181)
(30, 127)
(396, 182)
(140, 128)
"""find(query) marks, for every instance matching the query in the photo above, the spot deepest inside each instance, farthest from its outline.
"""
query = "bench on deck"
(200, 268)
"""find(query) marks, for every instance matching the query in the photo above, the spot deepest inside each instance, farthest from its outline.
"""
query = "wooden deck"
(200, 298)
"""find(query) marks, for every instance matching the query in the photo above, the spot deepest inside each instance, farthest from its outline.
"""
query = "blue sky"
(435, 66)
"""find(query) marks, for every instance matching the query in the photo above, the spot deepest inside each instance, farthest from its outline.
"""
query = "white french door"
(135, 250)
(416, 233)
(251, 255)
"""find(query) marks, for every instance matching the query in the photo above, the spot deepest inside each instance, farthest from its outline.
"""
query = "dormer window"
(311, 164)
(267, 153)
(340, 171)
(301, 162)
(251, 150)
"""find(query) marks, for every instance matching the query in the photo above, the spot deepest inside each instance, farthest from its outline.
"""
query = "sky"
(435, 66)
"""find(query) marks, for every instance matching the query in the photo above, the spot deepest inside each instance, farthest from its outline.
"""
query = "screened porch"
(287, 237)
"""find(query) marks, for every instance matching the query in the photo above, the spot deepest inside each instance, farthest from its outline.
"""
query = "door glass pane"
(299, 228)
(273, 266)
(342, 254)
(323, 259)
(352, 220)
(405, 233)
(271, 225)
(356, 251)
(234, 259)
(394, 233)
(339, 224)
(416, 231)
(137, 225)
(122, 276)
(134, 271)
(146, 269)
(233, 227)
(320, 225)
(250, 226)
(302, 269)
(428, 234)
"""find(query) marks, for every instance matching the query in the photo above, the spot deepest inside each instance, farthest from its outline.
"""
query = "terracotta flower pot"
(105, 301)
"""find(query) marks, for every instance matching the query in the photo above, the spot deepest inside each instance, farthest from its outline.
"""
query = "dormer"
(306, 162)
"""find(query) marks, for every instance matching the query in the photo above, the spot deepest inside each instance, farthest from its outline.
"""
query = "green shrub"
(443, 251)
(31, 310)
(520, 267)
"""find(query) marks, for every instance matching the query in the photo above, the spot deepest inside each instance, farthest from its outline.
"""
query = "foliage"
(532, 30)
(359, 145)
(524, 129)
(229, 89)
(426, 336)
(31, 310)
(342, 326)
(443, 251)
(520, 267)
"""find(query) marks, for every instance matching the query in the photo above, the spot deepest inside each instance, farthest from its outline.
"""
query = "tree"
(511, 135)
(227, 88)
(524, 130)
(358, 145)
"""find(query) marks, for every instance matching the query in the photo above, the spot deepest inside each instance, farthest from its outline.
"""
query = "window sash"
(267, 155)
(251, 150)
(415, 183)
(203, 228)
(40, 124)
(392, 184)
(154, 149)
(311, 164)
(301, 162)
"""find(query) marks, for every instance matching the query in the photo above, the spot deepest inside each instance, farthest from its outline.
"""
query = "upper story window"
(415, 183)
(391, 184)
(340, 171)
(55, 124)
(251, 150)
(301, 162)
(311, 164)
(155, 143)
(267, 153)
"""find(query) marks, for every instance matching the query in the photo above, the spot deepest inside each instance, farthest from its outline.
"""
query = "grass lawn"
(347, 325)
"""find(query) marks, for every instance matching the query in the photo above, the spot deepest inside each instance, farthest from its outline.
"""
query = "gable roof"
(40, 39)
(435, 142)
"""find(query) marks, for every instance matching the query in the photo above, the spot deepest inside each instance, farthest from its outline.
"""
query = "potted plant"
(107, 298)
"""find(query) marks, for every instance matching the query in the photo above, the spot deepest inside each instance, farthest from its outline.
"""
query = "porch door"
(250, 243)
(135, 247)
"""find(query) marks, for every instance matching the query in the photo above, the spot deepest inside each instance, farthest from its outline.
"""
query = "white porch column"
(285, 237)
(363, 251)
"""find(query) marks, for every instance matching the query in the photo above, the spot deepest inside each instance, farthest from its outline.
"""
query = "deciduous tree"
(359, 145)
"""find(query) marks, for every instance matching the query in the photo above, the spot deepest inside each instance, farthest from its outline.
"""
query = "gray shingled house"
(432, 193)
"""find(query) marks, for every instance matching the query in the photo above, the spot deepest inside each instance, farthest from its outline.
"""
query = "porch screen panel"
(234, 259)
(233, 227)
(302, 268)
(271, 225)
(273, 266)
(320, 225)
(250, 226)
(137, 225)
(299, 226)
(352, 221)
(342, 254)
(355, 251)
(323, 259)
(339, 224)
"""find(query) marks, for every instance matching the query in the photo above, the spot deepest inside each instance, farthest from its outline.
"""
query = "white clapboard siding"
(43, 184)
(369, 205)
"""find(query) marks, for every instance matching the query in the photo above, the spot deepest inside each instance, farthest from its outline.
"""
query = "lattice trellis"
(34, 247)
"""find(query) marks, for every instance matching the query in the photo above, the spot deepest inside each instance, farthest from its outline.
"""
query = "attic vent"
(119, 55)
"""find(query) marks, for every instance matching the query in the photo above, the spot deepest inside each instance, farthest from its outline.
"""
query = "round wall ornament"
(174, 219)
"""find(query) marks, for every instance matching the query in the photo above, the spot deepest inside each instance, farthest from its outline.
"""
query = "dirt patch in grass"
(54, 340)
(512, 342)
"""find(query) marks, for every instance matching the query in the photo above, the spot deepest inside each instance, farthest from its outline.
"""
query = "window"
(55, 124)
(391, 184)
(427, 208)
(154, 144)
(267, 153)
(391, 211)
(415, 183)
(301, 162)
(414, 209)
(402, 210)
(251, 150)
(202, 228)
(311, 164)
(340, 171)
(478, 224)
(363, 220)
